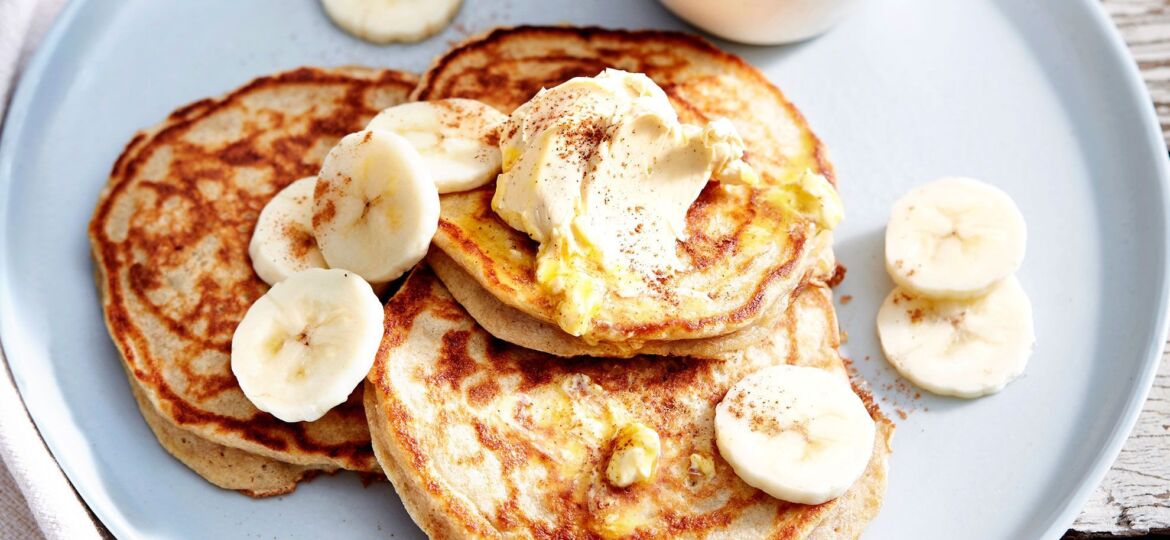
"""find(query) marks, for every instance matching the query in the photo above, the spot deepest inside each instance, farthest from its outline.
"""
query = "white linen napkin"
(36, 500)
(22, 23)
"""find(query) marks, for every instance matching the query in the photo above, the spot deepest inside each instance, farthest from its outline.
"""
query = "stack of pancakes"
(489, 420)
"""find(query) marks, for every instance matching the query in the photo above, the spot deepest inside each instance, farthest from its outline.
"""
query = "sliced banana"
(799, 434)
(375, 209)
(387, 21)
(304, 346)
(457, 139)
(963, 348)
(283, 242)
(954, 238)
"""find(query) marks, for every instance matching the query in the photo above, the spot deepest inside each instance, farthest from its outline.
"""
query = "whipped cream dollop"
(601, 172)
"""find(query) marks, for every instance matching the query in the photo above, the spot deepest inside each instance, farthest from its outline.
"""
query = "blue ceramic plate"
(1039, 98)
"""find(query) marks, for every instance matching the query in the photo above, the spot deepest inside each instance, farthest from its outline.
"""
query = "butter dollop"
(601, 172)
(635, 455)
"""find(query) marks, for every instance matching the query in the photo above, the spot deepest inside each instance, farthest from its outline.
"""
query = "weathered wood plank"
(1146, 27)
(1134, 498)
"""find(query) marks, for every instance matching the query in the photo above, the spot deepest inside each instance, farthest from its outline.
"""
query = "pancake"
(226, 467)
(223, 466)
(170, 236)
(483, 439)
(514, 326)
(743, 253)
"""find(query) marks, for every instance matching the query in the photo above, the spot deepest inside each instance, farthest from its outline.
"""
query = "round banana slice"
(283, 242)
(457, 139)
(387, 21)
(954, 238)
(305, 345)
(799, 434)
(375, 209)
(963, 348)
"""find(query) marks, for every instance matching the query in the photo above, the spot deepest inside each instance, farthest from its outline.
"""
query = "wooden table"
(1134, 498)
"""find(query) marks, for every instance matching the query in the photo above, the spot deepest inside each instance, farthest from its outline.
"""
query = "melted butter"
(581, 417)
(617, 524)
(636, 449)
(809, 195)
(578, 419)
(509, 157)
(700, 470)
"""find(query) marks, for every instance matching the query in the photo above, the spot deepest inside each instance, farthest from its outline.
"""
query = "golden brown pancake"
(483, 439)
(224, 466)
(514, 326)
(170, 237)
(744, 253)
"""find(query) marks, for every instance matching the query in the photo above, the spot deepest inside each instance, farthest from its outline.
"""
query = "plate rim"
(109, 517)
(115, 520)
(1154, 351)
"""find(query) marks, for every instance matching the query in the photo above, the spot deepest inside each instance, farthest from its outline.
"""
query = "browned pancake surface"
(483, 439)
(170, 238)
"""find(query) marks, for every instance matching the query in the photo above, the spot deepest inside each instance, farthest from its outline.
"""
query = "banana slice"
(283, 242)
(375, 209)
(387, 21)
(962, 348)
(954, 238)
(457, 139)
(799, 434)
(304, 346)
